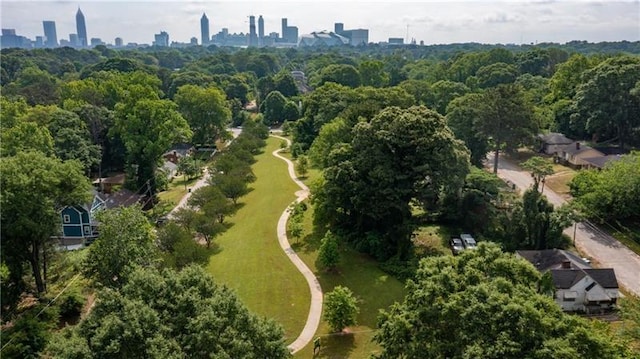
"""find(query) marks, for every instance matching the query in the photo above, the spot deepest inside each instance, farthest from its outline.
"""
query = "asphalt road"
(592, 242)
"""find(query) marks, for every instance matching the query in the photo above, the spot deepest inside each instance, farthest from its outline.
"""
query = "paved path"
(235, 132)
(589, 239)
(315, 309)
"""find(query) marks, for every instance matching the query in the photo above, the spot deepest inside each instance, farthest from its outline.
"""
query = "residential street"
(592, 242)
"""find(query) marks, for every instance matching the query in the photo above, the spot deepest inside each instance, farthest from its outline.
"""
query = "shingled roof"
(548, 259)
(606, 277)
(566, 278)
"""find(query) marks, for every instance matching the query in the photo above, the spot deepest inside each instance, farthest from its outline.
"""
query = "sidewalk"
(315, 309)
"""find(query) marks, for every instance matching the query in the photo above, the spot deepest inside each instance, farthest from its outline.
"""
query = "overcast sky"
(435, 22)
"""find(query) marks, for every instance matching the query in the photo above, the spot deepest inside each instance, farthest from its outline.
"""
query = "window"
(66, 218)
(87, 229)
(570, 296)
(590, 286)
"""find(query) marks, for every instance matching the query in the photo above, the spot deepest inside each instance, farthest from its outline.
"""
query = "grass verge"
(177, 189)
(250, 259)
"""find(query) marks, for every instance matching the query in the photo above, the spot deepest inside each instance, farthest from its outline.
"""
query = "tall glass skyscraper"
(204, 30)
(50, 33)
(253, 37)
(260, 31)
(82, 28)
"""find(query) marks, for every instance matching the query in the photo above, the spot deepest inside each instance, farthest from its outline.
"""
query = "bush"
(70, 303)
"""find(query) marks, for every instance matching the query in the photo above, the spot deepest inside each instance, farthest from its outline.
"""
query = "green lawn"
(375, 290)
(176, 190)
(250, 259)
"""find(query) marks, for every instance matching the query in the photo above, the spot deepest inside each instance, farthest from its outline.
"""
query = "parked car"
(468, 241)
(456, 246)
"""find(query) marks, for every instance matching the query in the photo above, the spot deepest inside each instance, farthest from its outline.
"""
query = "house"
(585, 290)
(179, 151)
(576, 153)
(79, 225)
(553, 143)
(599, 162)
(169, 169)
(109, 184)
(578, 286)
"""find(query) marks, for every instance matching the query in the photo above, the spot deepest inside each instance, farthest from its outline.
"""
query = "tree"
(462, 113)
(331, 135)
(372, 73)
(232, 186)
(290, 111)
(612, 192)
(443, 92)
(540, 169)
(398, 157)
(496, 74)
(25, 136)
(34, 188)
(506, 118)
(302, 166)
(37, 86)
(346, 75)
(207, 227)
(126, 240)
(188, 166)
(341, 308)
(605, 100)
(285, 84)
(173, 314)
(485, 304)
(273, 108)
(148, 128)
(72, 139)
(212, 202)
(328, 256)
(206, 111)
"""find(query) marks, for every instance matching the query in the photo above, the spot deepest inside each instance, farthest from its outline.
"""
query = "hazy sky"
(435, 22)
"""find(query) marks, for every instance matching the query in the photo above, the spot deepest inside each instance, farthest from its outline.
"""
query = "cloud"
(500, 18)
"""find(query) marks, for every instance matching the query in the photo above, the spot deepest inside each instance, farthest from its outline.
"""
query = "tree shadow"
(336, 346)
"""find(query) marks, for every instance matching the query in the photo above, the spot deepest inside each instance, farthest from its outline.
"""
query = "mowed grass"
(176, 190)
(559, 182)
(374, 289)
(250, 259)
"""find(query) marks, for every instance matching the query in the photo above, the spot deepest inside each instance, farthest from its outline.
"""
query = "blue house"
(79, 224)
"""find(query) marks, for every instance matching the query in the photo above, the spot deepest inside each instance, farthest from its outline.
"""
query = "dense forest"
(400, 135)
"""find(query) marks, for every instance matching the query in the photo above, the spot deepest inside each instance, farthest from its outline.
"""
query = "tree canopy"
(172, 314)
(400, 156)
(34, 188)
(484, 304)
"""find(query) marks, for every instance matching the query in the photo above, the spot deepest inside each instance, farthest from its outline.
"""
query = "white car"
(468, 241)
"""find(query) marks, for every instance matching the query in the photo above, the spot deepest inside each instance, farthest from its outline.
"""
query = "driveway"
(592, 242)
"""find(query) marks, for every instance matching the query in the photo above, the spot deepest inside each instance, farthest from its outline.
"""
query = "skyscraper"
(260, 31)
(253, 38)
(82, 28)
(50, 33)
(161, 39)
(204, 30)
(289, 33)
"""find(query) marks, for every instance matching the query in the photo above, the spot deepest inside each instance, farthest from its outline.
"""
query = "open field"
(250, 260)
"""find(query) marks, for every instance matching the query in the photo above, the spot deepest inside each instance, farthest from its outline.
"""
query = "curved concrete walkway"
(315, 309)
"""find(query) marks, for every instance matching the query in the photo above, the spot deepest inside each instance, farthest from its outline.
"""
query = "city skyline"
(431, 22)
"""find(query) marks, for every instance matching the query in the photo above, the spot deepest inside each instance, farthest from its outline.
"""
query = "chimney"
(577, 145)
(566, 264)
